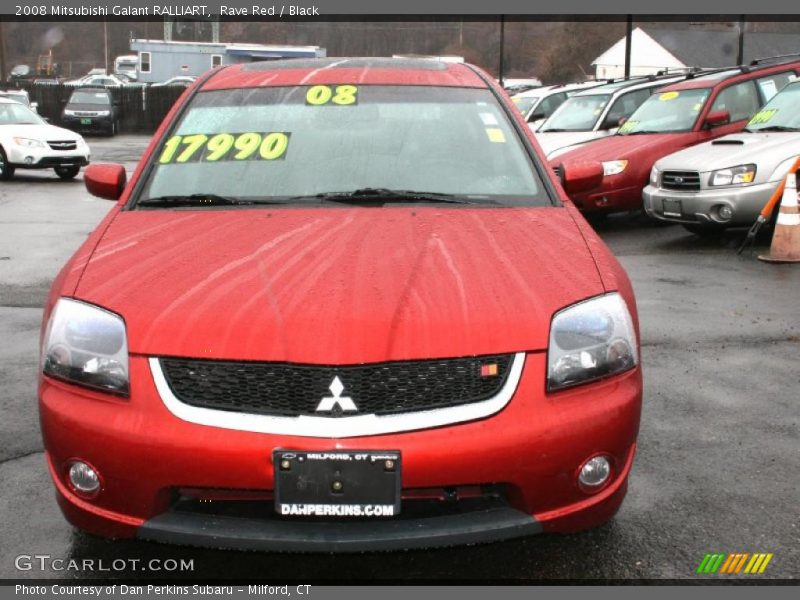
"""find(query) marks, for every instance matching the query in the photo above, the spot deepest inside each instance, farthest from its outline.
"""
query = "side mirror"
(581, 177)
(717, 118)
(105, 180)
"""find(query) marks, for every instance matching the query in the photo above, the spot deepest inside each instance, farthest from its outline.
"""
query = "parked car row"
(705, 150)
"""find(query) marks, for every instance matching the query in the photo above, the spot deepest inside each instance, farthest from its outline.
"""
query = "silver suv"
(726, 182)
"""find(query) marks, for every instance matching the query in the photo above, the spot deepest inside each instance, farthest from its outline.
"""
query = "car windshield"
(579, 113)
(294, 145)
(666, 112)
(13, 113)
(524, 103)
(89, 97)
(780, 113)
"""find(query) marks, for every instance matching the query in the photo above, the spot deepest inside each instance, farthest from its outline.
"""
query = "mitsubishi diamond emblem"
(328, 403)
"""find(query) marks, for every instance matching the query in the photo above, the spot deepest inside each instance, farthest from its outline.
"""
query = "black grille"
(558, 170)
(287, 389)
(684, 181)
(66, 145)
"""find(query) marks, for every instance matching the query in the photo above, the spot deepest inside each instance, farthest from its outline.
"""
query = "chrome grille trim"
(338, 427)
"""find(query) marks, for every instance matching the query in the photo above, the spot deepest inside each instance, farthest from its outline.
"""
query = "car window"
(524, 103)
(579, 113)
(772, 84)
(89, 97)
(550, 104)
(740, 100)
(626, 104)
(291, 143)
(667, 112)
(14, 113)
(779, 113)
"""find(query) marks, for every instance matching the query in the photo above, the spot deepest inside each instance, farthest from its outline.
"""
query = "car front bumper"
(533, 449)
(22, 157)
(94, 124)
(703, 207)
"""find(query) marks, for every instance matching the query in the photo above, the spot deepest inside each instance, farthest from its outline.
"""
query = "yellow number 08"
(343, 95)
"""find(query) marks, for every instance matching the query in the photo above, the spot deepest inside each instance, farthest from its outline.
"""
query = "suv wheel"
(67, 172)
(6, 170)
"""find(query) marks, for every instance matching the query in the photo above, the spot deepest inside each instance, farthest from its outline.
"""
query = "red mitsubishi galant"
(343, 304)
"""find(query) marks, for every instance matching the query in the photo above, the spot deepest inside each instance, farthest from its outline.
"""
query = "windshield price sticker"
(763, 116)
(341, 95)
(668, 96)
(495, 135)
(628, 126)
(215, 147)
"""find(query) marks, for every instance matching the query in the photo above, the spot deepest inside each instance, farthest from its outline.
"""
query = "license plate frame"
(672, 207)
(369, 487)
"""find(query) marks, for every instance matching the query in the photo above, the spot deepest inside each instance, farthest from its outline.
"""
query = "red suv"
(343, 305)
(699, 109)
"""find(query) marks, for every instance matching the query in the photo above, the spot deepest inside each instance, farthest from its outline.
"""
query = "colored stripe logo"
(734, 564)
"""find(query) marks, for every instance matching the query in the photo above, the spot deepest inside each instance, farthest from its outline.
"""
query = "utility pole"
(628, 44)
(740, 55)
(105, 42)
(2, 52)
(502, 47)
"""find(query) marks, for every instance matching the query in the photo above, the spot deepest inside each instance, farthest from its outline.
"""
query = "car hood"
(618, 147)
(552, 141)
(732, 150)
(339, 285)
(40, 132)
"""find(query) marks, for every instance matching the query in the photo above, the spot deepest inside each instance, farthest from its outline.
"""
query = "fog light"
(84, 478)
(595, 472)
(725, 213)
(28, 160)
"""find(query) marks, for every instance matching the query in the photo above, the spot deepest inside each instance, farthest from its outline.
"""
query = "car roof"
(624, 84)
(366, 71)
(714, 78)
(554, 89)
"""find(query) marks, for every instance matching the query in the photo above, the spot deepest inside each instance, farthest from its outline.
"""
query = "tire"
(67, 173)
(6, 170)
(706, 231)
(112, 131)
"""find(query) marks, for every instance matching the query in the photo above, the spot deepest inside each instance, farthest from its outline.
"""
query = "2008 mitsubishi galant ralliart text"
(343, 304)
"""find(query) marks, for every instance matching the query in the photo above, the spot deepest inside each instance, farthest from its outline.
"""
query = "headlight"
(590, 340)
(69, 113)
(86, 345)
(614, 167)
(28, 143)
(733, 176)
(103, 113)
(654, 176)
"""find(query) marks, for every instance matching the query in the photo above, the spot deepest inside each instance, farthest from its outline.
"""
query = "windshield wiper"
(193, 200)
(771, 128)
(385, 195)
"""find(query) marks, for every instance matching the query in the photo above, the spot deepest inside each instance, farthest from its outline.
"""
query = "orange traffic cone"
(785, 246)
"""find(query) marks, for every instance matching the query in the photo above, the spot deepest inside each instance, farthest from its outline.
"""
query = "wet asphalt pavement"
(718, 467)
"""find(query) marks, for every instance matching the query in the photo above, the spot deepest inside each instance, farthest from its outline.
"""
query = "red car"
(341, 305)
(699, 109)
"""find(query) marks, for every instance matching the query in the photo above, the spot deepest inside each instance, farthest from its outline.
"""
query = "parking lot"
(718, 456)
